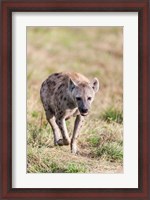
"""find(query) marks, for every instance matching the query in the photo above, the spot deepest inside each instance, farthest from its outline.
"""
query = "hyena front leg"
(56, 132)
(77, 126)
(62, 126)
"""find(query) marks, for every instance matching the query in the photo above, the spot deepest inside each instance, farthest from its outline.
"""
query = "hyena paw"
(66, 141)
(74, 149)
(62, 142)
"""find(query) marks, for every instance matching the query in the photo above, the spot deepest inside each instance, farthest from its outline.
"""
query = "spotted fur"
(64, 95)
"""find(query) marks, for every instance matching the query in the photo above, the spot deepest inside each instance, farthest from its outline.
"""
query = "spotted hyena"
(64, 95)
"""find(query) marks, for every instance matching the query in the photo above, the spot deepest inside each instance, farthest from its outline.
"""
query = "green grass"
(53, 167)
(110, 151)
(89, 51)
(75, 168)
(112, 114)
(35, 114)
(94, 141)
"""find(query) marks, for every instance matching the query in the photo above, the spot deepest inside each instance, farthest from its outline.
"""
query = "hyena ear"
(95, 84)
(72, 85)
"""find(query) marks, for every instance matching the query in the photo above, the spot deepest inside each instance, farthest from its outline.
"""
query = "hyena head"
(84, 94)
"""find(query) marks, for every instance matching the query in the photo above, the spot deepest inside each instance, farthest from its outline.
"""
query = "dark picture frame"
(10, 6)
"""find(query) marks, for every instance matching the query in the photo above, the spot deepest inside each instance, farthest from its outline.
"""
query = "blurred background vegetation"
(94, 52)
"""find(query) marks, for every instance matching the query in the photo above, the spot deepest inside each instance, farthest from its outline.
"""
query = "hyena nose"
(84, 110)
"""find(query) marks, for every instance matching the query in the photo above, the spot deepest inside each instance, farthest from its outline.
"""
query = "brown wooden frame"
(10, 6)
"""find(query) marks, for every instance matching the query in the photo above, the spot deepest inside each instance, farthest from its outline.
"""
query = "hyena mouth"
(84, 114)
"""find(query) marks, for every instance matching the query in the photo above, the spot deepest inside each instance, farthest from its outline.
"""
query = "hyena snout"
(84, 110)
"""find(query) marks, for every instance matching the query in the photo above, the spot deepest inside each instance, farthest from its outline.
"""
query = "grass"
(90, 51)
(94, 141)
(112, 114)
(110, 151)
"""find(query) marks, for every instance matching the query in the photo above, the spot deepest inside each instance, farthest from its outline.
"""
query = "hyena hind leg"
(56, 131)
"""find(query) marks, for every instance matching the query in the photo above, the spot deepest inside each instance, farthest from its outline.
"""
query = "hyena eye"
(78, 98)
(89, 98)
